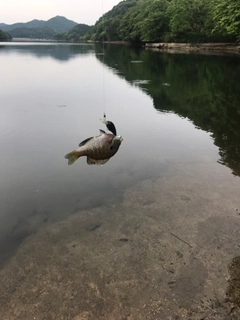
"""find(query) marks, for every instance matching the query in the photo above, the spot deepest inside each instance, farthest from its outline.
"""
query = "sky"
(80, 11)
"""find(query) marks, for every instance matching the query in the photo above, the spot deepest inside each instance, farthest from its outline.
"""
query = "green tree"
(107, 27)
(130, 24)
(190, 20)
(147, 21)
(155, 23)
(227, 18)
(165, 20)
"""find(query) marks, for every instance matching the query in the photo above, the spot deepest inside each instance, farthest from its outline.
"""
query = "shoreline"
(172, 47)
(198, 48)
(177, 47)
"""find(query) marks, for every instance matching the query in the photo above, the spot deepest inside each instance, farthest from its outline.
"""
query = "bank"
(199, 47)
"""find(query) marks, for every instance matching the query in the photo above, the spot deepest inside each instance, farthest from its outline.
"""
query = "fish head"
(118, 138)
(116, 141)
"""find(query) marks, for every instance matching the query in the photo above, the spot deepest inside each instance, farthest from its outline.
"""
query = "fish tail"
(72, 156)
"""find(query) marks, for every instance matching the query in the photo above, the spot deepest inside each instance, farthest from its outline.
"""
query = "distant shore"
(32, 40)
(174, 47)
(164, 46)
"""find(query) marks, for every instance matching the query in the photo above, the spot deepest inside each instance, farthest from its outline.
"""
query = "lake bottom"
(164, 251)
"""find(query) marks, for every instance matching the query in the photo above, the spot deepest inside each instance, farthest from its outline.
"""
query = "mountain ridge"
(57, 23)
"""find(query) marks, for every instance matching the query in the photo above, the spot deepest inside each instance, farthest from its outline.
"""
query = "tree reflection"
(203, 88)
(57, 51)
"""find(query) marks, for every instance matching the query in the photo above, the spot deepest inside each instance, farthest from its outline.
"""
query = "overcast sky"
(80, 11)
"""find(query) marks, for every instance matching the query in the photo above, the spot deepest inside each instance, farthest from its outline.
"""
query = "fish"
(98, 149)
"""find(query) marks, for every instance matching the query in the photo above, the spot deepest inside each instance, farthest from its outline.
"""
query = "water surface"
(170, 109)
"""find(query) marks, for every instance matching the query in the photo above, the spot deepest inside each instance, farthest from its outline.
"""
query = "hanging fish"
(99, 149)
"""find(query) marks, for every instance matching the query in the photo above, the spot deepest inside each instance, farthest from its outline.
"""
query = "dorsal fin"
(84, 142)
(111, 127)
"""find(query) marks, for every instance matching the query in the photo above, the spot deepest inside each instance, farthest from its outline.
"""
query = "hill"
(57, 24)
(60, 24)
(31, 24)
(76, 34)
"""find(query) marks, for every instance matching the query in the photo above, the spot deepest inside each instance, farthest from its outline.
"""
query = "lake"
(154, 231)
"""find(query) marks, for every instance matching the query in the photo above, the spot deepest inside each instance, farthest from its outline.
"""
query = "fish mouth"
(119, 138)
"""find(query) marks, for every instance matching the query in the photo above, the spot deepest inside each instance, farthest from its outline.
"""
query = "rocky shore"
(189, 47)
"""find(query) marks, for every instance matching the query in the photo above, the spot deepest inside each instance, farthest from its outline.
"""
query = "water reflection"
(203, 88)
(62, 52)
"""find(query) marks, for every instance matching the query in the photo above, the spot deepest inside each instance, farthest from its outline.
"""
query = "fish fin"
(98, 162)
(111, 127)
(102, 131)
(72, 156)
(84, 142)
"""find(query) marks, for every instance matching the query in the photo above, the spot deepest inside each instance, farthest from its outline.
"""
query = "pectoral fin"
(97, 162)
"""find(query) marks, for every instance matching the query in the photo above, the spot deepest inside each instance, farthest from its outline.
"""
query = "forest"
(75, 34)
(33, 33)
(193, 21)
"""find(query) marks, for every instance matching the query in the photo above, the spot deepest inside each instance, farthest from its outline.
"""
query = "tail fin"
(72, 156)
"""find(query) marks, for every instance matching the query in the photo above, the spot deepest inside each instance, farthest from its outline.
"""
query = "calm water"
(170, 109)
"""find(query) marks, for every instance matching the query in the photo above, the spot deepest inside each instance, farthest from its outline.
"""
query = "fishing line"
(103, 53)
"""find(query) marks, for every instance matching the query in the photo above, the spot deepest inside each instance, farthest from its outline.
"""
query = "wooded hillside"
(170, 20)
